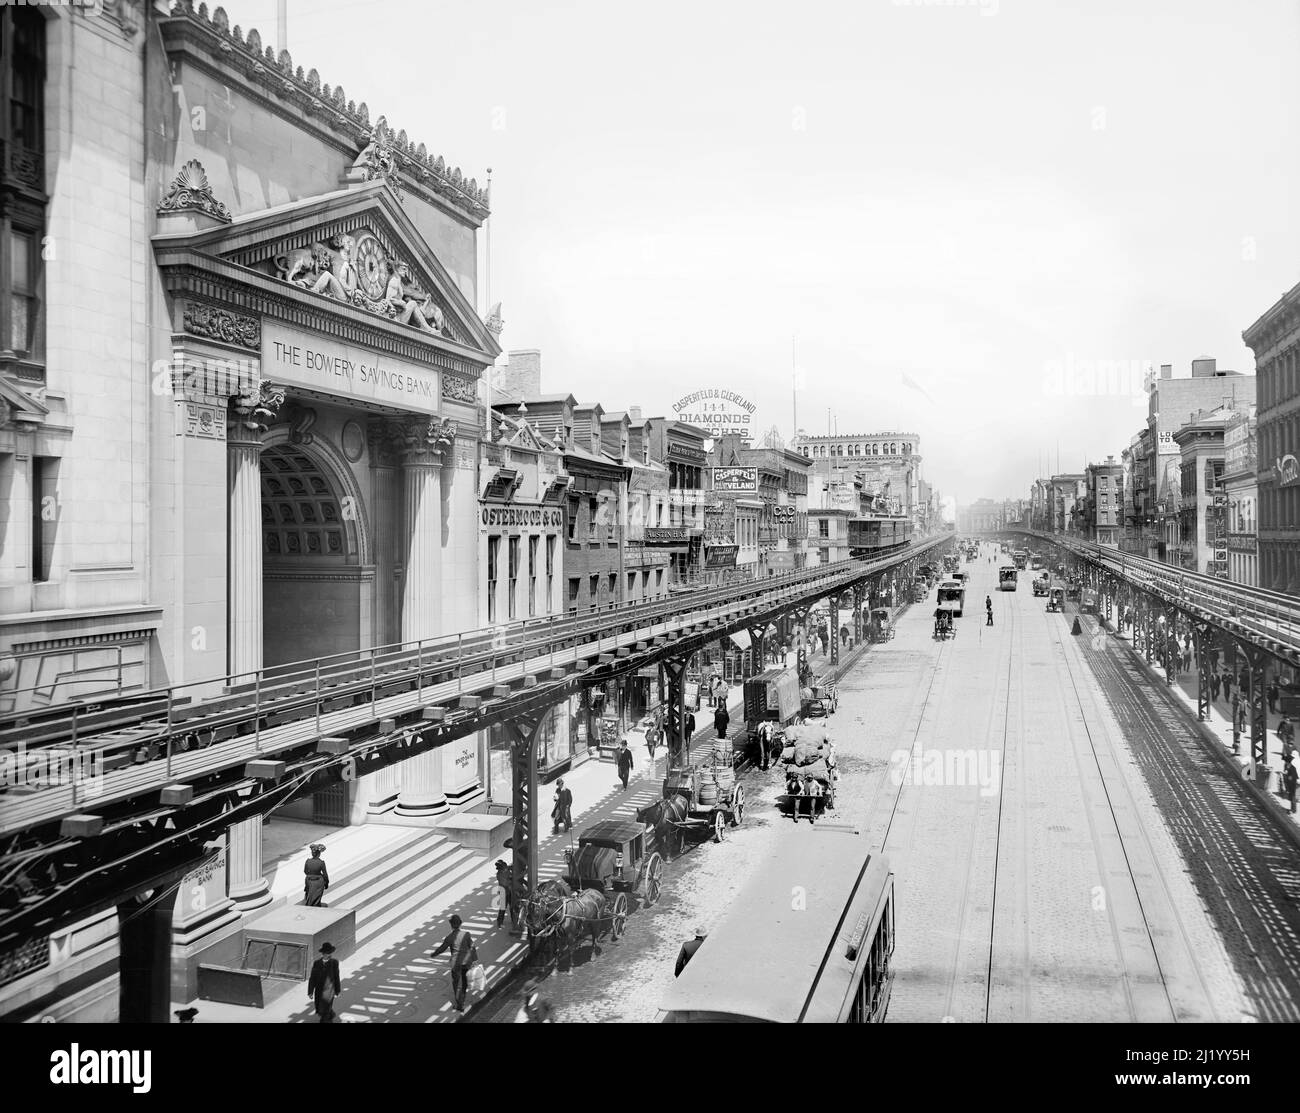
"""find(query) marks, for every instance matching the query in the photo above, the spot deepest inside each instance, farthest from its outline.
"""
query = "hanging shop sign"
(686, 452)
(1287, 471)
(539, 516)
(667, 535)
(721, 412)
(720, 556)
(735, 480)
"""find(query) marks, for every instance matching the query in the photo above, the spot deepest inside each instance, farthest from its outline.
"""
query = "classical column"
(423, 443)
(247, 887)
(251, 413)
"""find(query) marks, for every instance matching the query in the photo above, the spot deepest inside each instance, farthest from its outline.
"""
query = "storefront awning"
(741, 638)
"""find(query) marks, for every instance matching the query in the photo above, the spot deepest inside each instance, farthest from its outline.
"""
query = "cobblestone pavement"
(1064, 847)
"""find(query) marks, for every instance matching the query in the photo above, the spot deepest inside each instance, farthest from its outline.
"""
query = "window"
(513, 566)
(550, 572)
(631, 585)
(659, 580)
(575, 585)
(532, 575)
(494, 556)
(573, 516)
(824, 528)
(595, 592)
(613, 587)
(593, 515)
(45, 515)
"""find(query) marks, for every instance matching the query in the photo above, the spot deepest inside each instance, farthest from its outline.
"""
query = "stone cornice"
(273, 81)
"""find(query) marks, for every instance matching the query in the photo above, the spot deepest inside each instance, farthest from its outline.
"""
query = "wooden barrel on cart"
(708, 793)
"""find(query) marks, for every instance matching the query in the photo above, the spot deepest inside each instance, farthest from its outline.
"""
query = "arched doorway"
(316, 583)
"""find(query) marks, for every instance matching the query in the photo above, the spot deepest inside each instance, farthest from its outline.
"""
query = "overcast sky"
(944, 203)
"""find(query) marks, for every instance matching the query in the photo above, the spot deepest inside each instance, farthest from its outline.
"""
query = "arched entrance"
(317, 584)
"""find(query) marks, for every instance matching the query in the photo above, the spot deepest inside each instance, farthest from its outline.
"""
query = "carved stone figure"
(257, 404)
(407, 311)
(377, 160)
(320, 270)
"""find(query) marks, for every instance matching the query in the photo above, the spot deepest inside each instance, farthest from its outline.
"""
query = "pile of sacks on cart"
(809, 752)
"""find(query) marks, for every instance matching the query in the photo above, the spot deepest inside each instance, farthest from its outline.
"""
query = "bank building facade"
(252, 411)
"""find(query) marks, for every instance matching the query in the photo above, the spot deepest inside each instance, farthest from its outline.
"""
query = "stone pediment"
(355, 250)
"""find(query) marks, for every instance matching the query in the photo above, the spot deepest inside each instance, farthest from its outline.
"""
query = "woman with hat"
(317, 878)
(323, 985)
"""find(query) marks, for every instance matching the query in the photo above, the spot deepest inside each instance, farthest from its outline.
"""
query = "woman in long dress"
(316, 877)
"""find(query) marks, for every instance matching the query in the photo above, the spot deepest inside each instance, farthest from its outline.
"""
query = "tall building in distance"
(889, 463)
(1275, 340)
(1240, 485)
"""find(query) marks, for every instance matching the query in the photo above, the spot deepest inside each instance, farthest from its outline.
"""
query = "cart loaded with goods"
(808, 762)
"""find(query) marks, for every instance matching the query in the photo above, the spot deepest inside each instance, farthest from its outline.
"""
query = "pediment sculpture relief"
(359, 271)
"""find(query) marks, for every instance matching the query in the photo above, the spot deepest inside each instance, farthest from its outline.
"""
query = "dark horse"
(556, 915)
(662, 815)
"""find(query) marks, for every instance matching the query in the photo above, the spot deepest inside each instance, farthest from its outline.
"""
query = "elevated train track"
(177, 766)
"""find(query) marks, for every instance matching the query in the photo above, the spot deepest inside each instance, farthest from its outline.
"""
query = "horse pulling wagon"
(810, 774)
(701, 799)
(591, 899)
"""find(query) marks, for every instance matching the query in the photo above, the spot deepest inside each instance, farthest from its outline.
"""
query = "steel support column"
(523, 760)
(144, 928)
(1202, 640)
(678, 745)
(833, 604)
(1256, 702)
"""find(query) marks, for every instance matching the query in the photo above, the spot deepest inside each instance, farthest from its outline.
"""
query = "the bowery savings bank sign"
(721, 412)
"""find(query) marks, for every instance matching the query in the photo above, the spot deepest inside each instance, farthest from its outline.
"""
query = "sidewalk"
(391, 977)
(1265, 779)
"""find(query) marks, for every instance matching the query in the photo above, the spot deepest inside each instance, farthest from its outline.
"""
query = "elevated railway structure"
(165, 773)
(1251, 633)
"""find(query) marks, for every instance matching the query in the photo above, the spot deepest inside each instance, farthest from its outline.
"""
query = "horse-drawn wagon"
(700, 799)
(808, 762)
(609, 864)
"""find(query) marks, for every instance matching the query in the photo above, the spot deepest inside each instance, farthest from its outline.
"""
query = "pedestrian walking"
(1271, 693)
(463, 955)
(688, 951)
(988, 605)
(316, 878)
(1215, 684)
(690, 725)
(1227, 685)
(652, 738)
(721, 720)
(1289, 780)
(562, 811)
(624, 759)
(535, 1009)
(503, 896)
(1287, 734)
(323, 984)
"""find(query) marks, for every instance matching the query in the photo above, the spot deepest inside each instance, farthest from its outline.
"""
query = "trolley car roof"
(769, 961)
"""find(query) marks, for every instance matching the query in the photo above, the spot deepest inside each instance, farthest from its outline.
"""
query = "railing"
(164, 735)
(1270, 613)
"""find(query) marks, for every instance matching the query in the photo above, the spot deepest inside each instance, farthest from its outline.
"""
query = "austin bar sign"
(721, 412)
(735, 480)
(666, 535)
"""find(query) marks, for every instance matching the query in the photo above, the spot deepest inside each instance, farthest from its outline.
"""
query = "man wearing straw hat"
(688, 951)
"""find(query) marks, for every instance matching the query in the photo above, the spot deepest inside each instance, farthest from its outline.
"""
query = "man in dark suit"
(688, 951)
(563, 810)
(323, 984)
(721, 720)
(624, 758)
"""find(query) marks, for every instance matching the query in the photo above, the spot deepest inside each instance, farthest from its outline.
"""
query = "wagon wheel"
(653, 880)
(738, 806)
(719, 825)
(618, 916)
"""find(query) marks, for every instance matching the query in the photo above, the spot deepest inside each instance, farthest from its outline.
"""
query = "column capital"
(254, 409)
(425, 441)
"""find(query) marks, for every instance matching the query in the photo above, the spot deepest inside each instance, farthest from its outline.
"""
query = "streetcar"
(1020, 558)
(952, 591)
(1007, 579)
(825, 957)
